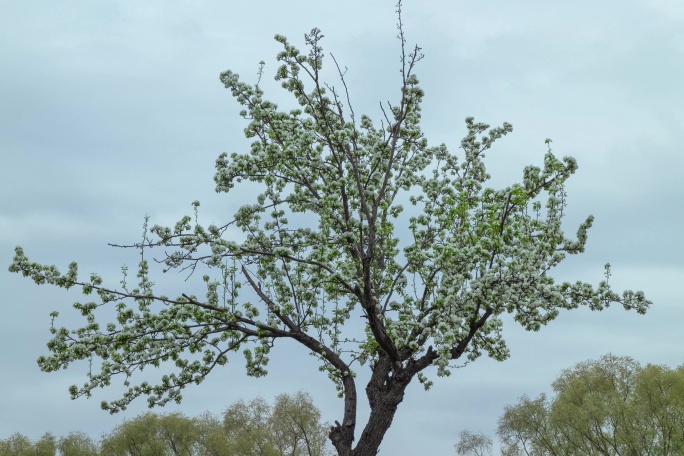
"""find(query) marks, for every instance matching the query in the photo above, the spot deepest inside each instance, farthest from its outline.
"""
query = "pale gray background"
(110, 110)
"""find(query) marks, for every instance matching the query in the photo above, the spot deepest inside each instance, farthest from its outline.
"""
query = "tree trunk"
(385, 392)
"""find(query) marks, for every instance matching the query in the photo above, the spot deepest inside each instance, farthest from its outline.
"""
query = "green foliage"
(291, 427)
(319, 245)
(20, 445)
(16, 445)
(77, 444)
(247, 428)
(612, 406)
(152, 434)
(296, 425)
(211, 438)
(46, 446)
(473, 444)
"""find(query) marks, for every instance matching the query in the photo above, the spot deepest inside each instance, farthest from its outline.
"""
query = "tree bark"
(385, 392)
(342, 435)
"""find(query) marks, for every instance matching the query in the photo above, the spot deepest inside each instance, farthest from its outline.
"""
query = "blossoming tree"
(320, 245)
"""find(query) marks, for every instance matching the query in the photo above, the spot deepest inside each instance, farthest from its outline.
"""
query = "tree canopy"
(612, 406)
(328, 240)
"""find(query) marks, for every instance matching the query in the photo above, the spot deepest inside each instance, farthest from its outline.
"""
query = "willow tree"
(328, 241)
(610, 406)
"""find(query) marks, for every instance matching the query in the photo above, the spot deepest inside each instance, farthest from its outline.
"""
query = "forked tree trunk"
(385, 392)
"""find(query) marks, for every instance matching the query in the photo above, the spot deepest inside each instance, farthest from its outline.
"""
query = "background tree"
(179, 433)
(247, 428)
(327, 241)
(473, 444)
(46, 445)
(17, 445)
(211, 438)
(296, 425)
(291, 427)
(77, 444)
(612, 406)
(151, 434)
(134, 437)
(20, 445)
(524, 429)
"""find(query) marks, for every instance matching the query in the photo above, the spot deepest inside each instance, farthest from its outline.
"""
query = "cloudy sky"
(111, 110)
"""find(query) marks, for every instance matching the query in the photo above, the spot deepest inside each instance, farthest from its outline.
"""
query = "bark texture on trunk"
(342, 434)
(385, 392)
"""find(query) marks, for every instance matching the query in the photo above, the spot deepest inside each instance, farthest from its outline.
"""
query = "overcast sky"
(111, 110)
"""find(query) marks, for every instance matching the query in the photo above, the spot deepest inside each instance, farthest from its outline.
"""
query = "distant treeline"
(289, 427)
